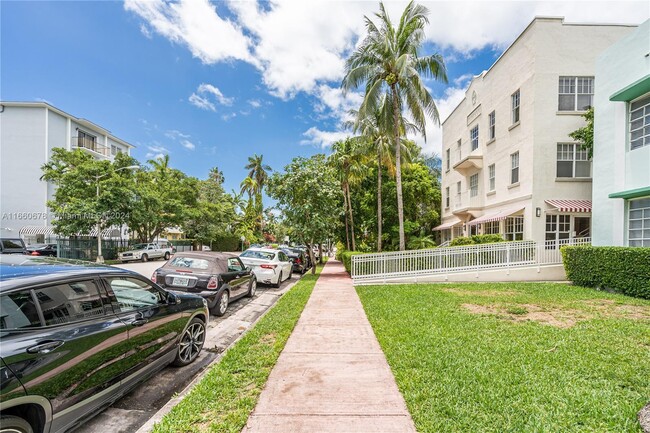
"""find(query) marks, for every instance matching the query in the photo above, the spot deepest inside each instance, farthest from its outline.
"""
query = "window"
(447, 198)
(575, 93)
(113, 149)
(458, 193)
(639, 223)
(514, 168)
(474, 137)
(258, 255)
(492, 177)
(514, 228)
(492, 130)
(448, 159)
(189, 263)
(572, 161)
(458, 152)
(558, 228)
(473, 185)
(132, 293)
(86, 140)
(515, 107)
(18, 311)
(491, 228)
(234, 265)
(458, 231)
(71, 302)
(640, 123)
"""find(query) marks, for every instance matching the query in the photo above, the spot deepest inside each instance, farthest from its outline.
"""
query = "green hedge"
(226, 242)
(476, 239)
(346, 258)
(625, 270)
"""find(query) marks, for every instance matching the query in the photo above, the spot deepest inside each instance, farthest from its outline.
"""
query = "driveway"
(132, 411)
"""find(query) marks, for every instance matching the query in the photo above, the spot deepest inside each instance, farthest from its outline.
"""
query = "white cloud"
(228, 116)
(322, 139)
(206, 97)
(255, 103)
(197, 25)
(188, 144)
(332, 102)
(156, 151)
(175, 134)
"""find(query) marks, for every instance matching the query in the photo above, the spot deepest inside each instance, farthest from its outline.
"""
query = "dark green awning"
(632, 193)
(636, 89)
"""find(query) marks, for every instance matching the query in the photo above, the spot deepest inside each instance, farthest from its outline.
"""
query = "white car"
(269, 266)
(146, 252)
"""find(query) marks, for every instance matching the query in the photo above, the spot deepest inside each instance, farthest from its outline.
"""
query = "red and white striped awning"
(494, 216)
(571, 205)
(448, 224)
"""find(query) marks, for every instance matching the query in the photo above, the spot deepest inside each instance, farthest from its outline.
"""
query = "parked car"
(12, 246)
(269, 266)
(42, 250)
(217, 277)
(298, 258)
(77, 336)
(307, 256)
(146, 252)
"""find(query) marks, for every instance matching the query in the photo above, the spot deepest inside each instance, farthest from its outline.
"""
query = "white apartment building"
(28, 133)
(509, 165)
(621, 192)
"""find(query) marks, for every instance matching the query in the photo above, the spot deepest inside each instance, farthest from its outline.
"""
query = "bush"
(346, 258)
(476, 239)
(225, 242)
(625, 270)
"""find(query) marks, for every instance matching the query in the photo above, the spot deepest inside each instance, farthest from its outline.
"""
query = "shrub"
(625, 270)
(226, 242)
(462, 240)
(476, 239)
(346, 258)
(340, 249)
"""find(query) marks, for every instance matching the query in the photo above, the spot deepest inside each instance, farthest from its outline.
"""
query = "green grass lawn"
(516, 357)
(223, 400)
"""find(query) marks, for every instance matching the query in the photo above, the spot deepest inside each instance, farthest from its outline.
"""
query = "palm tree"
(387, 62)
(379, 143)
(258, 171)
(347, 159)
(248, 185)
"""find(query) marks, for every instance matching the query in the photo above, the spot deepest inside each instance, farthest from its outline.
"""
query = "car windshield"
(264, 255)
(189, 262)
(10, 243)
(139, 246)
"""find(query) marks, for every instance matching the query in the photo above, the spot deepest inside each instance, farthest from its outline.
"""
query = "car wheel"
(14, 424)
(144, 258)
(290, 275)
(167, 256)
(277, 285)
(191, 343)
(221, 305)
(253, 288)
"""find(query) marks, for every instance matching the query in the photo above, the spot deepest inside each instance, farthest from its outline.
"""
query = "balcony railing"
(472, 198)
(466, 158)
(91, 145)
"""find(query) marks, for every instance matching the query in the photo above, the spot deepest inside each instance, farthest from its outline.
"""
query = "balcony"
(466, 159)
(467, 201)
(91, 146)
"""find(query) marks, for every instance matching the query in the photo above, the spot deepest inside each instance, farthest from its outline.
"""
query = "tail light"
(213, 283)
(298, 261)
(154, 276)
(268, 266)
(35, 253)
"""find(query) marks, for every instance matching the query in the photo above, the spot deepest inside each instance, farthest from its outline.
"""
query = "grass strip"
(224, 399)
(477, 357)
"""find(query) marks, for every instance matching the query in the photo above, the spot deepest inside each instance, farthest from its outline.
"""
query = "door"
(582, 227)
(65, 344)
(239, 277)
(154, 325)
(285, 263)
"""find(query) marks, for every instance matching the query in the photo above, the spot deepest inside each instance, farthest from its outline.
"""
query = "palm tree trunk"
(379, 217)
(347, 230)
(398, 169)
(354, 246)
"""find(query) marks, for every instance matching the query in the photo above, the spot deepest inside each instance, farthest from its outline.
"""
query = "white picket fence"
(458, 259)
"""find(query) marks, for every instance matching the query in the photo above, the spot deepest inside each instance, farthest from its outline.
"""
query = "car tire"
(144, 258)
(191, 343)
(16, 424)
(277, 285)
(252, 289)
(290, 275)
(221, 305)
(167, 256)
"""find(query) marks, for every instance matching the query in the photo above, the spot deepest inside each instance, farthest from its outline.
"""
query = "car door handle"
(45, 347)
(139, 322)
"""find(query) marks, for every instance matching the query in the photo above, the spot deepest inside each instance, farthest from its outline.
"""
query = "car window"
(258, 255)
(18, 311)
(189, 262)
(234, 265)
(70, 302)
(8, 243)
(282, 257)
(132, 293)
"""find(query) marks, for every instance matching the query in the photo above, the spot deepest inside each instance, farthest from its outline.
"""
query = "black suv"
(77, 336)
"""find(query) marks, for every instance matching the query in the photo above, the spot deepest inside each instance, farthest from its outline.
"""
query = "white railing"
(457, 259)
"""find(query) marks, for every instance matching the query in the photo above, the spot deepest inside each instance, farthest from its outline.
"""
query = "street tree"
(388, 64)
(309, 195)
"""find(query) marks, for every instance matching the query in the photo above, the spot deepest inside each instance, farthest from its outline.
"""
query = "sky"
(212, 83)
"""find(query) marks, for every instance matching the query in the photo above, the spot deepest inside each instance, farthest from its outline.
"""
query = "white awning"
(36, 230)
(571, 205)
(494, 216)
(448, 224)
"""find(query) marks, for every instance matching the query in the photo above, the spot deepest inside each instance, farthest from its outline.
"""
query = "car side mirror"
(248, 268)
(173, 299)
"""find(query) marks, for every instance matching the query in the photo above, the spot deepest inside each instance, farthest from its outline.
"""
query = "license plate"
(179, 281)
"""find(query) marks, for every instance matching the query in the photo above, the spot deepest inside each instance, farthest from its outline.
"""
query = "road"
(132, 411)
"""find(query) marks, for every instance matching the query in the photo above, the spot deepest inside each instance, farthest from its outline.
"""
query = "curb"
(148, 426)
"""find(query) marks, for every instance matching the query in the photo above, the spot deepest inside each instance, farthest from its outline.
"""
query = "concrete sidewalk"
(332, 375)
